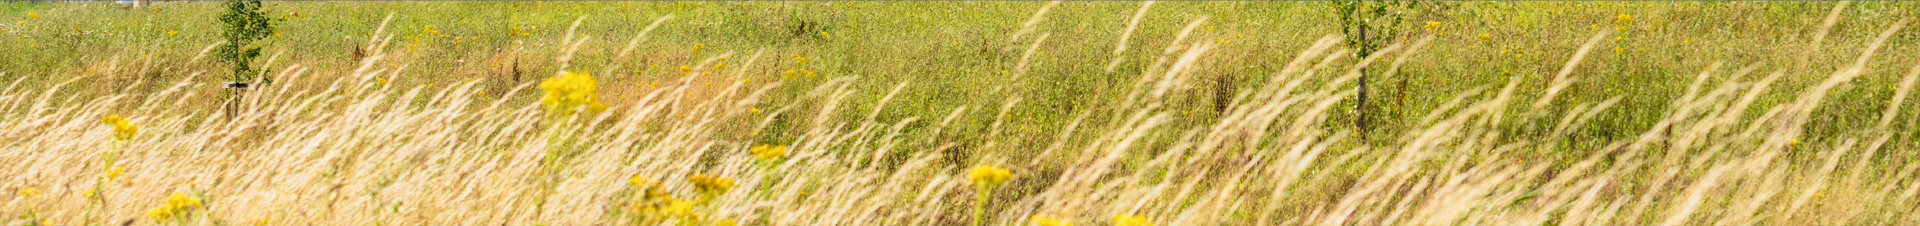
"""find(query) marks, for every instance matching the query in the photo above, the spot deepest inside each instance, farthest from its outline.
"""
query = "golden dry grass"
(338, 146)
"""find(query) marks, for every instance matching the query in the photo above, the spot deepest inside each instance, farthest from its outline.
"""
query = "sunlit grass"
(1023, 113)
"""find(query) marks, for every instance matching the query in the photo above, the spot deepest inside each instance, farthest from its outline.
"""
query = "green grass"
(954, 57)
(962, 58)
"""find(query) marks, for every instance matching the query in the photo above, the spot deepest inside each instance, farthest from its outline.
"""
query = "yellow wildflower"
(115, 172)
(1131, 220)
(768, 152)
(724, 222)
(160, 213)
(1484, 36)
(182, 201)
(823, 34)
(90, 193)
(1045, 221)
(171, 33)
(637, 181)
(122, 128)
(571, 90)
(697, 46)
(28, 192)
(679, 208)
(1432, 25)
(1623, 18)
(989, 175)
(32, 15)
(710, 185)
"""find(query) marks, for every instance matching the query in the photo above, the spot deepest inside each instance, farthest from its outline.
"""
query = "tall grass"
(342, 146)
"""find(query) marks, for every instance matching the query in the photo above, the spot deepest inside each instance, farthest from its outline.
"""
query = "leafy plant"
(1368, 25)
(246, 24)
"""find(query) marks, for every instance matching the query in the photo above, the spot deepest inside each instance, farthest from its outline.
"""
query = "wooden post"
(1361, 108)
(233, 97)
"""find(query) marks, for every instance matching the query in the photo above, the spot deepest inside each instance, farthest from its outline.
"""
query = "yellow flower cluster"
(710, 185)
(1432, 26)
(1623, 19)
(652, 198)
(654, 204)
(115, 172)
(1046, 221)
(569, 91)
(1131, 220)
(122, 128)
(768, 153)
(989, 175)
(178, 204)
(28, 192)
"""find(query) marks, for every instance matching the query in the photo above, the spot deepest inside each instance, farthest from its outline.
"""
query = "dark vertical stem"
(1361, 107)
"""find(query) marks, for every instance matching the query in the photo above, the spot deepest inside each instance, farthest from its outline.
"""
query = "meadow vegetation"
(958, 113)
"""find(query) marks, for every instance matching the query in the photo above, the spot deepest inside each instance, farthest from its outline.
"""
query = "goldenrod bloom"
(122, 129)
(710, 185)
(989, 175)
(1623, 18)
(28, 192)
(1432, 25)
(160, 213)
(571, 90)
(1131, 220)
(637, 181)
(1046, 221)
(182, 201)
(680, 208)
(115, 172)
(768, 152)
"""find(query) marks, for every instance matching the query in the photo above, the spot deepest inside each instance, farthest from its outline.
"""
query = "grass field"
(905, 113)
